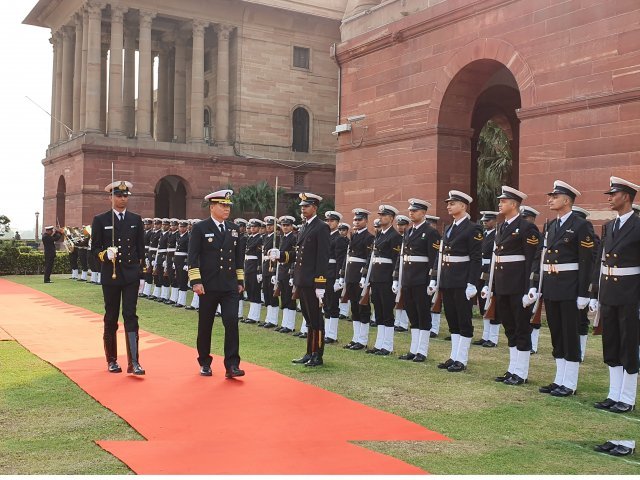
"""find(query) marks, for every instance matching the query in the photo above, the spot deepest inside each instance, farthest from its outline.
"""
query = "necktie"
(121, 216)
(503, 227)
(221, 227)
(616, 226)
(451, 230)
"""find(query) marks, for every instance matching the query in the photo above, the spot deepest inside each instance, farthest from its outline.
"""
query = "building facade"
(185, 97)
(560, 76)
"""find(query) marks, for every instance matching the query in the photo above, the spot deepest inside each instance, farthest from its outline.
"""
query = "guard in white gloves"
(491, 327)
(285, 255)
(566, 276)
(337, 252)
(252, 267)
(180, 261)
(269, 264)
(460, 267)
(147, 277)
(156, 276)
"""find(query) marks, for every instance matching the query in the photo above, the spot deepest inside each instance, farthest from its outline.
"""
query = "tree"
(4, 225)
(494, 164)
(256, 199)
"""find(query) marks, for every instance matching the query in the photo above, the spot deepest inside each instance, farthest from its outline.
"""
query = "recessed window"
(298, 179)
(301, 57)
(300, 125)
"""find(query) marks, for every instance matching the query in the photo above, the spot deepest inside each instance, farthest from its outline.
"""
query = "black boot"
(111, 353)
(132, 354)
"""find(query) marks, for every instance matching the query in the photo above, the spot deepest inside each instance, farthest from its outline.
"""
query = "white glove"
(341, 282)
(526, 301)
(112, 252)
(431, 289)
(259, 278)
(291, 282)
(147, 262)
(394, 286)
(186, 268)
(164, 264)
(274, 254)
(320, 293)
(582, 303)
(533, 295)
(484, 293)
(593, 305)
(153, 264)
(173, 266)
(362, 282)
(336, 285)
(471, 291)
(274, 280)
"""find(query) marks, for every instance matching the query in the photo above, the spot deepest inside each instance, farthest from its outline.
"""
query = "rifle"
(399, 299)
(537, 308)
(597, 326)
(436, 306)
(344, 296)
(366, 289)
(490, 304)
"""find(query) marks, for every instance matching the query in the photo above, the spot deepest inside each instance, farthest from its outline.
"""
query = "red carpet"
(263, 423)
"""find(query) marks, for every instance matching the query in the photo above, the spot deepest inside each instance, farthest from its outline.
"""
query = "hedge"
(18, 259)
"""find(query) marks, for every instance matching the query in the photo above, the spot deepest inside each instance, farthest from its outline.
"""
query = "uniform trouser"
(478, 299)
(73, 259)
(92, 262)
(562, 318)
(583, 322)
(515, 319)
(267, 290)
(331, 300)
(620, 327)
(286, 292)
(48, 266)
(252, 287)
(168, 275)
(182, 277)
(312, 312)
(113, 295)
(458, 311)
(82, 258)
(418, 306)
(228, 302)
(359, 313)
(384, 301)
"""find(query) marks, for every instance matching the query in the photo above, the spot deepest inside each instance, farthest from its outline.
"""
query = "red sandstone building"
(561, 76)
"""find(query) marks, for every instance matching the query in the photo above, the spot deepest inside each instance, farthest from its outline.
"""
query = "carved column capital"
(146, 18)
(117, 13)
(224, 31)
(199, 26)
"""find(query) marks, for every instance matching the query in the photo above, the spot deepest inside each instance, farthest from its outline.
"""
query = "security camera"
(356, 118)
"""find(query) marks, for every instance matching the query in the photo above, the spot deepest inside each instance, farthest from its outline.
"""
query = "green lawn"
(48, 424)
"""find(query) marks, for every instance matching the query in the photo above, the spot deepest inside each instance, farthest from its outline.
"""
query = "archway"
(482, 90)
(60, 202)
(171, 197)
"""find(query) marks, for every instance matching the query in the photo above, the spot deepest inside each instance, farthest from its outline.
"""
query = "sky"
(25, 70)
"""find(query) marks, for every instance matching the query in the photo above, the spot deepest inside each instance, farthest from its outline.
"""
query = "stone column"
(171, 92)
(53, 137)
(145, 99)
(83, 80)
(103, 88)
(94, 78)
(116, 128)
(197, 82)
(222, 90)
(66, 104)
(77, 73)
(162, 115)
(58, 40)
(128, 95)
(179, 92)
(187, 76)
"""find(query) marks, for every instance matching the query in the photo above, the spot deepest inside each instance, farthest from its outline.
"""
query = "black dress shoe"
(562, 391)
(48, 281)
(302, 360)
(433, 334)
(342, 317)
(142, 295)
(605, 447)
(548, 388)
(277, 329)
(479, 342)
(113, 367)
(621, 451)
(314, 361)
(169, 302)
(503, 377)
(328, 341)
(445, 364)
(621, 407)
(373, 324)
(407, 356)
(136, 369)
(400, 329)
(358, 346)
(419, 358)
(383, 352)
(219, 314)
(302, 335)
(297, 334)
(269, 325)
(349, 345)
(261, 324)
(205, 371)
(285, 330)
(489, 344)
(457, 367)
(533, 352)
(605, 404)
(373, 350)
(233, 371)
(250, 321)
(514, 380)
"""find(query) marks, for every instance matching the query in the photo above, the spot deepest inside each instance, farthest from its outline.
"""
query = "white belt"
(455, 259)
(153, 249)
(416, 258)
(509, 258)
(356, 260)
(560, 267)
(381, 260)
(332, 260)
(171, 249)
(250, 257)
(619, 271)
(181, 254)
(162, 250)
(486, 261)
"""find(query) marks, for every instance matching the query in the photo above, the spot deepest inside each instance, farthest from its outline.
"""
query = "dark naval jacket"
(360, 246)
(386, 246)
(312, 255)
(464, 241)
(421, 242)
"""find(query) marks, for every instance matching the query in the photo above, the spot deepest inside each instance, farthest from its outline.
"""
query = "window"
(300, 130)
(301, 57)
(298, 179)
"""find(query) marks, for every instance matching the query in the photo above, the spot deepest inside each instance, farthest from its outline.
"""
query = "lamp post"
(37, 227)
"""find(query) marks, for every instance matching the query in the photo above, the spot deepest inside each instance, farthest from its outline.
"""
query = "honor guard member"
(337, 251)
(195, 299)
(163, 273)
(565, 263)
(343, 230)
(517, 242)
(83, 249)
(401, 323)
(180, 262)
(242, 242)
(310, 276)
(491, 329)
(435, 316)
(73, 257)
(153, 258)
(49, 239)
(216, 275)
(530, 214)
(386, 248)
(252, 262)
(617, 285)
(147, 270)
(284, 255)
(268, 271)
(117, 241)
(147, 229)
(360, 247)
(459, 270)
(583, 322)
(171, 274)
(418, 252)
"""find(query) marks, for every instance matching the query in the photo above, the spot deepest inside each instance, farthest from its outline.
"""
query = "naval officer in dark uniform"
(117, 241)
(217, 277)
(49, 239)
(490, 332)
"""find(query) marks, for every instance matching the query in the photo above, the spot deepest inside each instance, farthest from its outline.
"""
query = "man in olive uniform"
(401, 323)
(216, 274)
(117, 241)
(337, 252)
(459, 269)
(360, 247)
(283, 276)
(567, 263)
(49, 239)
(517, 242)
(419, 249)
(252, 261)
(180, 262)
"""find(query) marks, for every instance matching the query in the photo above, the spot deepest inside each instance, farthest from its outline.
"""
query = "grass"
(496, 429)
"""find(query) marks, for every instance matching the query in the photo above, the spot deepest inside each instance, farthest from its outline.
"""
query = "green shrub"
(17, 259)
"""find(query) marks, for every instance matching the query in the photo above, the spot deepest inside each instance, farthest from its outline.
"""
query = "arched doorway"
(300, 127)
(481, 91)
(171, 197)
(60, 202)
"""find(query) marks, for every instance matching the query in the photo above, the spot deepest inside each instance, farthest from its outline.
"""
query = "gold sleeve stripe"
(194, 274)
(436, 245)
(240, 274)
(478, 237)
(533, 241)
(587, 244)
(286, 257)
